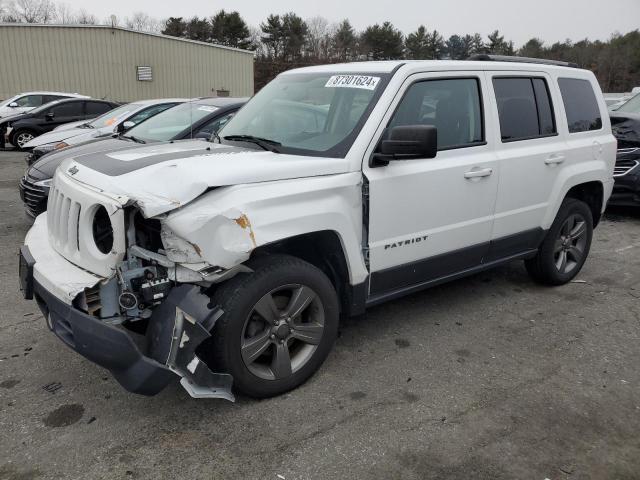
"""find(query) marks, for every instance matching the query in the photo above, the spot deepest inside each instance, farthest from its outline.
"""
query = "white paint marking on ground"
(628, 247)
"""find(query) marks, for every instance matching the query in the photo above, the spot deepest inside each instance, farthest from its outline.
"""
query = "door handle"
(484, 172)
(555, 159)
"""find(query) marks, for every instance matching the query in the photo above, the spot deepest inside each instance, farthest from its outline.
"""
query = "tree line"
(284, 41)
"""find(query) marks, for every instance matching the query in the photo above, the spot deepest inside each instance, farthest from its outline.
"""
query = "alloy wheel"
(569, 248)
(23, 138)
(282, 332)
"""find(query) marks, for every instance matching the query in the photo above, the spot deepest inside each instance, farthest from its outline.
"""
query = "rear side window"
(97, 108)
(583, 113)
(51, 98)
(524, 108)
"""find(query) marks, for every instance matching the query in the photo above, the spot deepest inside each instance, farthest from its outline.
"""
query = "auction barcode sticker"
(353, 81)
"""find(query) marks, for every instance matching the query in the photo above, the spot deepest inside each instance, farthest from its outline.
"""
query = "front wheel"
(21, 137)
(566, 246)
(278, 326)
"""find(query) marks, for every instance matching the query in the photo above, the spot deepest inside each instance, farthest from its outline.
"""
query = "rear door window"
(580, 105)
(69, 109)
(524, 107)
(94, 109)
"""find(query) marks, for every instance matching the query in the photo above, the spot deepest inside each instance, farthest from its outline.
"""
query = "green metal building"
(118, 64)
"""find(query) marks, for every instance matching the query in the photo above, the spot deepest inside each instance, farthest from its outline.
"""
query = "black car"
(202, 119)
(43, 119)
(626, 128)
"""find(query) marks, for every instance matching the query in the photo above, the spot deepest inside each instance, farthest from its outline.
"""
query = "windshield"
(316, 114)
(113, 116)
(166, 125)
(632, 106)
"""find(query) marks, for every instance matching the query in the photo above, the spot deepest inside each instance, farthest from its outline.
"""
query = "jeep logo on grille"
(73, 170)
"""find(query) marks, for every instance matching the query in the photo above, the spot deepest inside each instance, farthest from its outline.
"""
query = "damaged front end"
(148, 320)
(161, 296)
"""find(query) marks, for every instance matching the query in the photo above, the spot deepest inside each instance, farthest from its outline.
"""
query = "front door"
(432, 218)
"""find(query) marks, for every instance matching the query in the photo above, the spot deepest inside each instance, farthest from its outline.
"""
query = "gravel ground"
(487, 377)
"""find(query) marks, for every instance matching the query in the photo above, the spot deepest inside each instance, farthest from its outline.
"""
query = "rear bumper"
(108, 346)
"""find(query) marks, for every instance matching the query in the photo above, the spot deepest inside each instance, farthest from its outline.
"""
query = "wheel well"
(590, 193)
(323, 250)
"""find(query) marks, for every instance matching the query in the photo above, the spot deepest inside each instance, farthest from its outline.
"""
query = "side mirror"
(49, 116)
(124, 126)
(203, 135)
(407, 142)
(13, 105)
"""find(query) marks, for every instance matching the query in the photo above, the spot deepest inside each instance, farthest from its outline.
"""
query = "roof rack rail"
(483, 57)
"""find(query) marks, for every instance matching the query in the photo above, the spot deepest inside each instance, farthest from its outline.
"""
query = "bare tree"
(318, 37)
(86, 18)
(65, 15)
(31, 11)
(142, 22)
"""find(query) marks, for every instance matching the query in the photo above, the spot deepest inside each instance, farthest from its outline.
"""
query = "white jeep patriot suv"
(228, 263)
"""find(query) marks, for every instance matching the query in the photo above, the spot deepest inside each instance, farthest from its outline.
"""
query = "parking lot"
(488, 377)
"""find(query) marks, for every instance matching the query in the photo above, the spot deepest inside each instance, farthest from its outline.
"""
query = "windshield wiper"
(86, 125)
(135, 139)
(265, 143)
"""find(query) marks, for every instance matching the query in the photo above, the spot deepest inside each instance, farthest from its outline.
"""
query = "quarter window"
(580, 104)
(524, 108)
(453, 106)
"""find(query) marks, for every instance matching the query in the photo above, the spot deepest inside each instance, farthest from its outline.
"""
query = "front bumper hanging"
(176, 329)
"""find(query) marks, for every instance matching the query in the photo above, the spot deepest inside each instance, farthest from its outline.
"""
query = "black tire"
(239, 297)
(16, 135)
(547, 266)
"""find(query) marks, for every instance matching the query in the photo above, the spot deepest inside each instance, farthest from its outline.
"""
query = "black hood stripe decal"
(107, 165)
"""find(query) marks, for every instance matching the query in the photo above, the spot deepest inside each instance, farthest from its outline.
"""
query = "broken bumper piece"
(173, 336)
(108, 346)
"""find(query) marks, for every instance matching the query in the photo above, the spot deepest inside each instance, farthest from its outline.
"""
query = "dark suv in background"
(625, 125)
(43, 119)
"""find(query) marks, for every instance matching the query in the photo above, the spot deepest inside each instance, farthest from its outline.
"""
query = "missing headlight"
(102, 230)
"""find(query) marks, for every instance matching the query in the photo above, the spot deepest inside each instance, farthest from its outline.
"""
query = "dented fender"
(225, 225)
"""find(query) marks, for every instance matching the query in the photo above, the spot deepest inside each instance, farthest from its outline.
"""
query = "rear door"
(532, 153)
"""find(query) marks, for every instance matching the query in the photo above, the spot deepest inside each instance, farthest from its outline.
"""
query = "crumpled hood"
(162, 177)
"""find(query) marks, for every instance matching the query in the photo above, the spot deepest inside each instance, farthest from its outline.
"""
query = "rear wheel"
(566, 246)
(278, 326)
(21, 137)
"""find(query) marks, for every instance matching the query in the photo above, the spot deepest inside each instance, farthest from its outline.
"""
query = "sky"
(550, 20)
